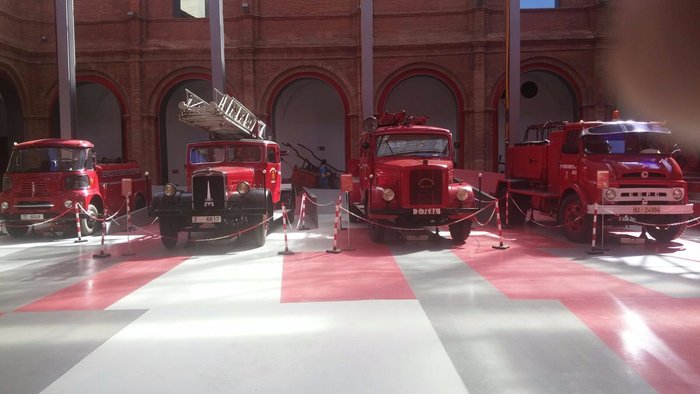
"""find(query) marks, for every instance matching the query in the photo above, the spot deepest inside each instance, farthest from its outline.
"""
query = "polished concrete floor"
(419, 316)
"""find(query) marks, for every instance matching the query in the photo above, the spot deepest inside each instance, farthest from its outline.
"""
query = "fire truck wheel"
(665, 234)
(517, 207)
(90, 226)
(258, 234)
(377, 233)
(576, 223)
(168, 233)
(139, 203)
(16, 231)
(355, 213)
(460, 231)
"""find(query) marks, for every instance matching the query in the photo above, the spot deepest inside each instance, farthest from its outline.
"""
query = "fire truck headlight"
(388, 194)
(4, 205)
(610, 194)
(462, 194)
(677, 194)
(243, 187)
(68, 204)
(169, 189)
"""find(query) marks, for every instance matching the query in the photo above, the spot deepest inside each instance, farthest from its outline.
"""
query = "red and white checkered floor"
(422, 316)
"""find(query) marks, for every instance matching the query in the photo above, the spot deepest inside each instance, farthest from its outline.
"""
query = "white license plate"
(206, 219)
(646, 210)
(426, 211)
(32, 216)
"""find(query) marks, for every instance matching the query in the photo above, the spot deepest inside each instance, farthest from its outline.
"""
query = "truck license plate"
(646, 209)
(426, 211)
(206, 219)
(32, 216)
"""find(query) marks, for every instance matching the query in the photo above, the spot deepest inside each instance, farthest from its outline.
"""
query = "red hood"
(239, 173)
(620, 166)
(405, 163)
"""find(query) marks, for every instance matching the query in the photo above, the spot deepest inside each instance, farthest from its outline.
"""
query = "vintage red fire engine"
(234, 183)
(46, 178)
(406, 178)
(624, 170)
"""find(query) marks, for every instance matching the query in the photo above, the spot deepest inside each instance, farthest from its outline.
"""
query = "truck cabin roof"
(54, 143)
(624, 127)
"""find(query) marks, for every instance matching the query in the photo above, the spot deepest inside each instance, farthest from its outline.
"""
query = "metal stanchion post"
(129, 251)
(500, 245)
(102, 253)
(286, 250)
(77, 223)
(347, 200)
(302, 213)
(335, 227)
(594, 249)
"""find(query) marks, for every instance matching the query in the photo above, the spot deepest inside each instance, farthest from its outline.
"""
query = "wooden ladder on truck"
(224, 116)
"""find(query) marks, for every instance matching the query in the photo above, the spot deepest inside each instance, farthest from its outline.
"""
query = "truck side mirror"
(456, 144)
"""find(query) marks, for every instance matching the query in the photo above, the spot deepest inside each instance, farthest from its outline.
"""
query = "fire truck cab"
(406, 178)
(624, 170)
(234, 180)
(46, 178)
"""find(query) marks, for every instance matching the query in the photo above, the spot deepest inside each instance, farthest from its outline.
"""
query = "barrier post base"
(101, 255)
(79, 241)
(595, 251)
(334, 250)
(500, 246)
(285, 252)
(304, 228)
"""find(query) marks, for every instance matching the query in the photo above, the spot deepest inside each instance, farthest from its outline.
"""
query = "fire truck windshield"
(412, 145)
(49, 160)
(627, 143)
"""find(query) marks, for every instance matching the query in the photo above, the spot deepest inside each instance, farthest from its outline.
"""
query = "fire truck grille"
(426, 186)
(34, 189)
(638, 175)
(208, 192)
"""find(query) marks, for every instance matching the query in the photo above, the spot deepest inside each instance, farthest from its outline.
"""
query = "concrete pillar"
(65, 51)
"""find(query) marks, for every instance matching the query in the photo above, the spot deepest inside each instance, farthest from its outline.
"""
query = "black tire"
(668, 234)
(15, 230)
(460, 231)
(168, 233)
(90, 226)
(139, 203)
(354, 210)
(517, 207)
(377, 233)
(576, 223)
(258, 234)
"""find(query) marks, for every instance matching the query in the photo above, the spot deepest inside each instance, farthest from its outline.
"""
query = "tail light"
(73, 182)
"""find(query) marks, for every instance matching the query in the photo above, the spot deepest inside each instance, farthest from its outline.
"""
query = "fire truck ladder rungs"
(224, 115)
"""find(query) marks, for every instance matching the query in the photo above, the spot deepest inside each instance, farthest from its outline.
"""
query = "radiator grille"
(35, 188)
(426, 186)
(208, 192)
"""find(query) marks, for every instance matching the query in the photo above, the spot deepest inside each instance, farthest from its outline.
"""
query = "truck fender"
(161, 201)
(574, 189)
(255, 198)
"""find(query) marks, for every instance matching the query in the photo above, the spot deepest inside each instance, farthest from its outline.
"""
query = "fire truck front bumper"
(633, 210)
(422, 216)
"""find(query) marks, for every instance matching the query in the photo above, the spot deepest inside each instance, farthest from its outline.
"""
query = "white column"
(367, 53)
(218, 60)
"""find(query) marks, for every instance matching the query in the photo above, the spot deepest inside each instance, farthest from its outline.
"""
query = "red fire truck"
(624, 170)
(46, 178)
(234, 180)
(406, 178)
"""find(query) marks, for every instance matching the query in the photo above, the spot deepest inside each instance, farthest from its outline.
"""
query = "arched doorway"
(544, 96)
(309, 114)
(98, 120)
(11, 120)
(175, 135)
(426, 95)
